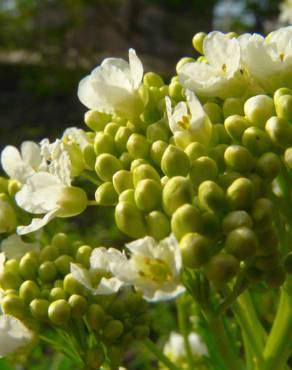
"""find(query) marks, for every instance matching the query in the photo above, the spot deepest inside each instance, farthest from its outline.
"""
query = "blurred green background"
(46, 46)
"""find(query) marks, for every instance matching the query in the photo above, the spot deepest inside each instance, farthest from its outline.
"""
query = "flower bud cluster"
(40, 291)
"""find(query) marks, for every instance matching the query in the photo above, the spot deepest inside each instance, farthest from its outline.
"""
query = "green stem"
(182, 322)
(230, 359)
(160, 355)
(279, 347)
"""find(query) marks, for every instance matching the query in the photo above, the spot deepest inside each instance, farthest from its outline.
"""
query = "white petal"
(15, 247)
(13, 335)
(10, 159)
(37, 223)
(81, 275)
(136, 68)
(198, 347)
(198, 76)
(108, 286)
(103, 259)
(162, 295)
(143, 246)
(197, 112)
(31, 154)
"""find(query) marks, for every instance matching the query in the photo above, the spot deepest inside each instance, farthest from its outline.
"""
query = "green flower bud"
(156, 132)
(183, 61)
(258, 109)
(3, 185)
(195, 250)
(136, 163)
(123, 180)
(94, 357)
(28, 291)
(240, 194)
(10, 280)
(217, 153)
(39, 309)
(72, 286)
(96, 120)
(113, 329)
(214, 112)
(211, 196)
(288, 158)
(104, 143)
(106, 166)
(144, 171)
(241, 242)
(195, 150)
(158, 225)
(175, 162)
(13, 187)
(96, 316)
(57, 293)
(152, 79)
(262, 213)
(106, 194)
(176, 192)
(78, 305)
(222, 268)
(233, 106)
(164, 180)
(28, 267)
(58, 283)
(226, 178)
(284, 107)
(89, 157)
(279, 131)
(220, 134)
(111, 128)
(122, 137)
(141, 332)
(15, 306)
(156, 151)
(268, 242)
(276, 277)
(83, 255)
(130, 220)
(72, 201)
(59, 312)
(210, 225)
(268, 263)
(12, 266)
(127, 196)
(280, 92)
(259, 185)
(235, 126)
(148, 195)
(138, 146)
(47, 272)
(186, 219)
(61, 241)
(232, 35)
(268, 166)
(256, 140)
(238, 158)
(126, 160)
(176, 91)
(203, 168)
(63, 264)
(48, 253)
(255, 275)
(288, 263)
(236, 219)
(198, 41)
(8, 220)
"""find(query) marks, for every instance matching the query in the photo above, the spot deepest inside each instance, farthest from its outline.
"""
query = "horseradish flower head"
(19, 165)
(13, 335)
(15, 247)
(8, 219)
(269, 60)
(153, 268)
(188, 120)
(113, 87)
(51, 194)
(221, 75)
(175, 348)
(100, 279)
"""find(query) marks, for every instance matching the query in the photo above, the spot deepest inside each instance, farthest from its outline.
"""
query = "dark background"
(47, 46)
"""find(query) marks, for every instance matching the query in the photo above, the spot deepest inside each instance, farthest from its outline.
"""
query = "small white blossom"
(100, 279)
(19, 165)
(269, 60)
(13, 335)
(113, 86)
(221, 74)
(188, 120)
(286, 12)
(15, 247)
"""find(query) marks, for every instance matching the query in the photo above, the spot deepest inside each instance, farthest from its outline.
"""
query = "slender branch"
(160, 355)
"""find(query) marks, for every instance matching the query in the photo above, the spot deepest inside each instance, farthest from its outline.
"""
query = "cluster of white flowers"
(153, 268)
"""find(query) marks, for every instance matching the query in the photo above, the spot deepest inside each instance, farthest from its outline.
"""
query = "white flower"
(113, 86)
(189, 120)
(99, 279)
(74, 135)
(222, 75)
(19, 165)
(13, 335)
(269, 60)
(15, 247)
(286, 12)
(153, 268)
(175, 348)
